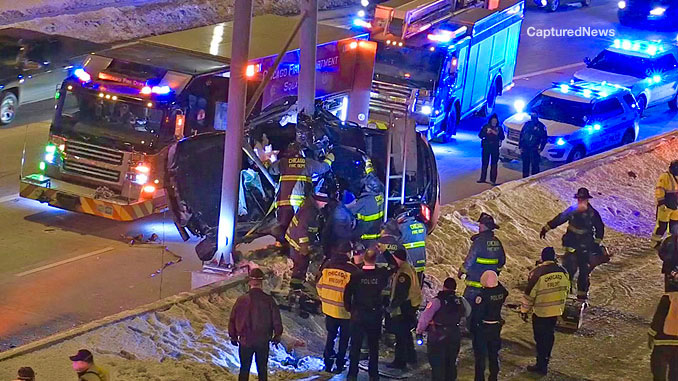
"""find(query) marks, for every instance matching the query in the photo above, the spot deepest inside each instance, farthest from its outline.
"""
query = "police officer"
(486, 253)
(441, 320)
(335, 275)
(301, 235)
(405, 301)
(533, 138)
(666, 193)
(585, 231)
(368, 210)
(663, 338)
(668, 253)
(296, 172)
(545, 296)
(486, 324)
(363, 300)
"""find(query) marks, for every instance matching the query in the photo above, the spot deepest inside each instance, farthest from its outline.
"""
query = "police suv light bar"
(648, 47)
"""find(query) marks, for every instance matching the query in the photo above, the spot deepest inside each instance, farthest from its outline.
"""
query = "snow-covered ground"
(189, 340)
(121, 20)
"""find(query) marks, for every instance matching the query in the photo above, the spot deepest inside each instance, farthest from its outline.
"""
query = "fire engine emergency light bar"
(587, 89)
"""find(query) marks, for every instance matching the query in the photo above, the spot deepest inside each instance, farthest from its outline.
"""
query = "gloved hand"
(234, 342)
(650, 341)
(460, 273)
(598, 240)
(542, 233)
(276, 340)
(523, 315)
(329, 156)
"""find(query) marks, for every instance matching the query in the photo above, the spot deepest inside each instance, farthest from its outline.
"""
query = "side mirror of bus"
(179, 124)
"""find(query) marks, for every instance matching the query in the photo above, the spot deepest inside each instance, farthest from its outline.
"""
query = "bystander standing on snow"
(491, 136)
(83, 365)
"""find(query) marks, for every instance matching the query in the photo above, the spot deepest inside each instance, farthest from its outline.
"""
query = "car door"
(608, 124)
(666, 67)
(42, 69)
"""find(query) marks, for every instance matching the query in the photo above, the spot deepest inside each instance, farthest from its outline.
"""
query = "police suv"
(580, 118)
(649, 69)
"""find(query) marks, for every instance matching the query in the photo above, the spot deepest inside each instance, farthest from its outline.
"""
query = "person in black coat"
(491, 136)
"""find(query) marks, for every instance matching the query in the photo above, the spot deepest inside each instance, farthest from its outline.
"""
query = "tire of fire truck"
(577, 153)
(449, 126)
(491, 100)
(673, 103)
(585, 3)
(553, 5)
(8, 106)
(629, 137)
(642, 104)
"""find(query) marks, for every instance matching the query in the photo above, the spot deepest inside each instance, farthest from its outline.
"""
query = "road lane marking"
(546, 71)
(65, 261)
(11, 197)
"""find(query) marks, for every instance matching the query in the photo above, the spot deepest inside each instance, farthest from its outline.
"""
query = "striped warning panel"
(91, 206)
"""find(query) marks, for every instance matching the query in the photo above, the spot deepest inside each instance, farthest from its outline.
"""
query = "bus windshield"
(411, 65)
(127, 121)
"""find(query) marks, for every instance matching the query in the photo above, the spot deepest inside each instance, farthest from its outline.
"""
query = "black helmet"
(582, 194)
(371, 183)
(673, 167)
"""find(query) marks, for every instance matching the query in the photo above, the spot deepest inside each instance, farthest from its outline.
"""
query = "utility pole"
(235, 121)
(307, 46)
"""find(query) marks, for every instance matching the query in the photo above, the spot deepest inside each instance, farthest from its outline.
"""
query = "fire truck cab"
(453, 61)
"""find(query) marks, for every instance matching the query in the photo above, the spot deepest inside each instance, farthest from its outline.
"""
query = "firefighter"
(663, 338)
(335, 275)
(405, 301)
(339, 226)
(296, 172)
(301, 234)
(441, 320)
(545, 296)
(486, 324)
(666, 193)
(413, 238)
(368, 210)
(585, 232)
(363, 300)
(486, 253)
(668, 253)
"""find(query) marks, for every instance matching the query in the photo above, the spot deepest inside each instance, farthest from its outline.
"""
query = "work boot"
(537, 369)
(328, 365)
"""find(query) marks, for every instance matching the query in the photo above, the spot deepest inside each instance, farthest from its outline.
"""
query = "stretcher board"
(572, 317)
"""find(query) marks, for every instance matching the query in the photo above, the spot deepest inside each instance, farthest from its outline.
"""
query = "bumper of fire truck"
(62, 195)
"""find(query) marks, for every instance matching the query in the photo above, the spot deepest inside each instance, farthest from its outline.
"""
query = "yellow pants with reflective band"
(664, 217)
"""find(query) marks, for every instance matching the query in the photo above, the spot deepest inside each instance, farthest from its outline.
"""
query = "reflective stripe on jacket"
(547, 288)
(486, 253)
(413, 294)
(303, 228)
(368, 210)
(666, 191)
(664, 327)
(331, 286)
(296, 173)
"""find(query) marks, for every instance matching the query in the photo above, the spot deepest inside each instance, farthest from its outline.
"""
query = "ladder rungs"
(395, 177)
(393, 199)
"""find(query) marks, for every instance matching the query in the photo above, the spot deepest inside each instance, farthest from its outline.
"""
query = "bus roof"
(268, 36)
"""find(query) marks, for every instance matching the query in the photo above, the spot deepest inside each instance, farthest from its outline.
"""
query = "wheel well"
(499, 85)
(631, 130)
(13, 90)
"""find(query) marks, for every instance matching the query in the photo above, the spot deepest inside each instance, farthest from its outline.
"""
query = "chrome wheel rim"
(7, 110)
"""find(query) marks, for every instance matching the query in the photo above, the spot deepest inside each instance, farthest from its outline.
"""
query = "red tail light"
(425, 212)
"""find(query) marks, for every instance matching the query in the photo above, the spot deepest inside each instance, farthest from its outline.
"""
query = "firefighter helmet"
(371, 183)
(673, 167)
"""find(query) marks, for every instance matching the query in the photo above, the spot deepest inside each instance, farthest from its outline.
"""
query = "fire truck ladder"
(397, 177)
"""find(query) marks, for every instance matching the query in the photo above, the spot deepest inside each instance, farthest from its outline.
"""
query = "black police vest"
(450, 310)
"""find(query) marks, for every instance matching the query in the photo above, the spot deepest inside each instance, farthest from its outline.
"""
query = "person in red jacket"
(255, 321)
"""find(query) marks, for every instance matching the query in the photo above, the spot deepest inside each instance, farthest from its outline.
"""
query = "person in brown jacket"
(255, 321)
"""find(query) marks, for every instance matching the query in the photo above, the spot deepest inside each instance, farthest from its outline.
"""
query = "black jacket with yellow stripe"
(664, 327)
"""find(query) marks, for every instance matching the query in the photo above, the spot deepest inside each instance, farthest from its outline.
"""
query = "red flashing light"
(250, 71)
(353, 45)
(148, 189)
(425, 212)
(146, 90)
(142, 168)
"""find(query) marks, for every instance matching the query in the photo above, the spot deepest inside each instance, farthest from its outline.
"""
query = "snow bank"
(101, 23)
(189, 340)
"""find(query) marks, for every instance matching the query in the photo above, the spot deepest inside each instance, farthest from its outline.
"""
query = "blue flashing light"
(161, 90)
(426, 110)
(361, 23)
(596, 127)
(519, 105)
(361, 13)
(617, 44)
(603, 94)
(652, 50)
(626, 45)
(656, 78)
(82, 75)
(621, 4)
(658, 11)
(564, 88)
(560, 142)
(587, 93)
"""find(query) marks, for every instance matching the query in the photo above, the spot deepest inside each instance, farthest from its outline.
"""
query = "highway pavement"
(59, 269)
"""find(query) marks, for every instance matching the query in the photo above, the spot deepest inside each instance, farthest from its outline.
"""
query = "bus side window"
(197, 113)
